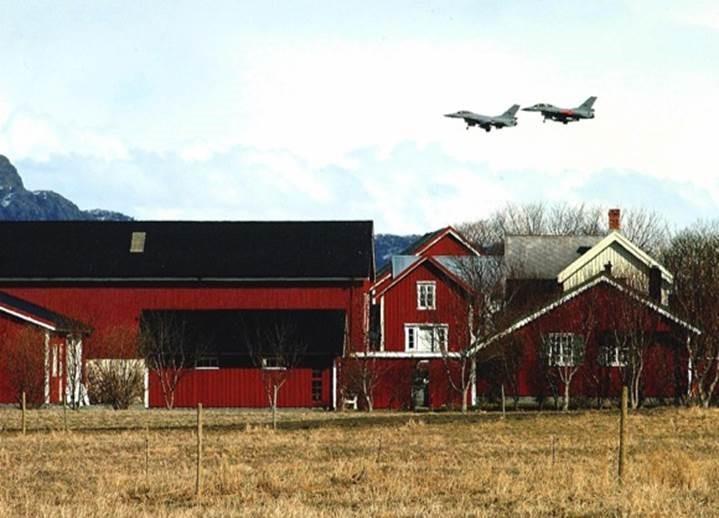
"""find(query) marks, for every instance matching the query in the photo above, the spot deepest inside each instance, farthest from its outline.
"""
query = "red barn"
(225, 282)
(418, 309)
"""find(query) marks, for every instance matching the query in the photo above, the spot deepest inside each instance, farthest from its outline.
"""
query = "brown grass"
(386, 464)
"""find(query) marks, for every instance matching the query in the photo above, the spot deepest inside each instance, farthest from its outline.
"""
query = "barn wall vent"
(137, 242)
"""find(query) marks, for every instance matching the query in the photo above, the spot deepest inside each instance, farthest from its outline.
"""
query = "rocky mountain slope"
(17, 203)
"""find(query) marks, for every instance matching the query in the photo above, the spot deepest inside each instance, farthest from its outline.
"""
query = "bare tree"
(633, 332)
(276, 348)
(165, 348)
(478, 314)
(647, 229)
(362, 374)
(534, 219)
(564, 352)
(693, 258)
(24, 353)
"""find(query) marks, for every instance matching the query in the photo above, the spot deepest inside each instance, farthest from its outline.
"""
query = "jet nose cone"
(451, 115)
(528, 109)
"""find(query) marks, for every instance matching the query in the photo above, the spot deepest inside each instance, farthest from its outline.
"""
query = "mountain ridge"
(20, 204)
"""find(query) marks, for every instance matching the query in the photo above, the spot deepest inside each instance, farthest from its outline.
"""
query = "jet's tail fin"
(511, 112)
(588, 103)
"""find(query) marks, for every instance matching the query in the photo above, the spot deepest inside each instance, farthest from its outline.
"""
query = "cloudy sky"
(333, 110)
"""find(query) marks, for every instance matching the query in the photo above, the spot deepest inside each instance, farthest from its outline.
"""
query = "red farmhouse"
(418, 309)
(83, 284)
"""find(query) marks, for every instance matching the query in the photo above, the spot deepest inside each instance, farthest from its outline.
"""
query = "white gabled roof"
(610, 239)
(602, 277)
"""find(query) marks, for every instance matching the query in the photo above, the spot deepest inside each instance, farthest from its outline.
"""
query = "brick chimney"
(614, 218)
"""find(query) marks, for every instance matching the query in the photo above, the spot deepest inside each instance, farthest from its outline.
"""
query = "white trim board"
(27, 318)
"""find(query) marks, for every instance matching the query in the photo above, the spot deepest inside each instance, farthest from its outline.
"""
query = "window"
(613, 352)
(425, 338)
(317, 385)
(410, 338)
(426, 295)
(564, 349)
(137, 242)
(273, 363)
(207, 362)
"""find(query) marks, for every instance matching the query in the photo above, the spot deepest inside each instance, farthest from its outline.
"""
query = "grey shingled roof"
(543, 257)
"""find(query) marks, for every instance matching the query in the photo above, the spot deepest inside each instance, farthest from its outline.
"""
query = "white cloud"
(300, 127)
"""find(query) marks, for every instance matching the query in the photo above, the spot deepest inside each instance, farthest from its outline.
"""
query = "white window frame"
(207, 363)
(439, 340)
(273, 363)
(612, 355)
(560, 349)
(425, 291)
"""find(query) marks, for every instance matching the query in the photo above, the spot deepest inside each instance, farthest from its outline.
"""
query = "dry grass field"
(385, 464)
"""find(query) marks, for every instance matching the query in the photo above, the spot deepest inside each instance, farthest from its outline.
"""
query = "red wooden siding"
(107, 309)
(665, 363)
(400, 308)
(242, 388)
(394, 387)
(447, 245)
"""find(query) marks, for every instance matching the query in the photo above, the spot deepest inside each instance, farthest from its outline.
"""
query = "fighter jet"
(564, 115)
(485, 121)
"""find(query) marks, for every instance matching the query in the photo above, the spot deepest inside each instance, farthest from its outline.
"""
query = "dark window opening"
(316, 385)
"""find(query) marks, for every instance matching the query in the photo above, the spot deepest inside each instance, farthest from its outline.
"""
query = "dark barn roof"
(185, 250)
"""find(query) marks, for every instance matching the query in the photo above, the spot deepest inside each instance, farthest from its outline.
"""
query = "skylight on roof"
(137, 242)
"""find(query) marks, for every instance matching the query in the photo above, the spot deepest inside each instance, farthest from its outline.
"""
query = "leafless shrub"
(116, 382)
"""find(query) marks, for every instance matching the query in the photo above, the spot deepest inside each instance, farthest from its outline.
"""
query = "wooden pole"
(504, 403)
(147, 452)
(198, 480)
(623, 432)
(554, 450)
(64, 413)
(24, 425)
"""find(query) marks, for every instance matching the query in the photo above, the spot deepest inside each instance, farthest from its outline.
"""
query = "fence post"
(147, 453)
(24, 426)
(554, 449)
(64, 413)
(504, 403)
(198, 480)
(623, 433)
